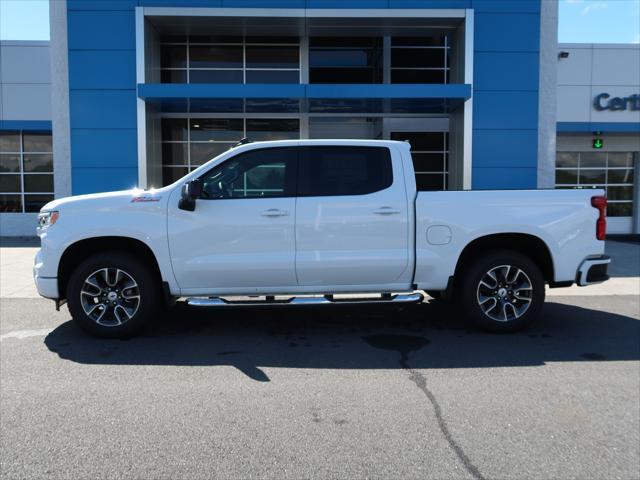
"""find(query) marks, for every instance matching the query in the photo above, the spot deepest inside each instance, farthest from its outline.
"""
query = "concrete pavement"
(334, 392)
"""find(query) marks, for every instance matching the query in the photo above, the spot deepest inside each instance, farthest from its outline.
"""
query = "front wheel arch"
(79, 251)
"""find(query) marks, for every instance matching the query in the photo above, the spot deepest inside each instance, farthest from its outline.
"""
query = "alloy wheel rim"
(110, 297)
(505, 293)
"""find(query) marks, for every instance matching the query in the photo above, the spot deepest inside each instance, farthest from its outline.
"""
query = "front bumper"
(47, 286)
(593, 270)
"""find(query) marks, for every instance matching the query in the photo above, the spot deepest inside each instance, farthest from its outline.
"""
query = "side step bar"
(326, 300)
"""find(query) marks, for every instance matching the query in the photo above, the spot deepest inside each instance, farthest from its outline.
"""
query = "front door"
(240, 238)
(351, 218)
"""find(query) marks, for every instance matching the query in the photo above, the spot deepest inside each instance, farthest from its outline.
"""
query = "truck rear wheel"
(112, 295)
(503, 291)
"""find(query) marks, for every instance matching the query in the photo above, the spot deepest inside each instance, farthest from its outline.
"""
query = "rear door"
(351, 218)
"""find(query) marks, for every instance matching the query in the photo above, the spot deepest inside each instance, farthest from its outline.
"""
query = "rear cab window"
(343, 170)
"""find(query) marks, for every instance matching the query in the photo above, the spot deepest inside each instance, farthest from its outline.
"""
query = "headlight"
(46, 219)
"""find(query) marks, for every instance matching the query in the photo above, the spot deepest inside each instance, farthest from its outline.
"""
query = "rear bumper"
(593, 270)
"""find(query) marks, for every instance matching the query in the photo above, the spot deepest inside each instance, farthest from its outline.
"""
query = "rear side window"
(331, 171)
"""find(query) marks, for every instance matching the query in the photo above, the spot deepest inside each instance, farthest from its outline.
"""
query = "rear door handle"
(386, 211)
(274, 212)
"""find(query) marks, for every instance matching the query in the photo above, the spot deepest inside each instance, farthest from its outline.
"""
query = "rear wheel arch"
(526, 244)
(77, 252)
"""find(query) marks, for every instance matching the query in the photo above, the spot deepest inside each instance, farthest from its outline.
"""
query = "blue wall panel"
(98, 30)
(507, 32)
(105, 148)
(108, 69)
(506, 6)
(505, 148)
(102, 4)
(103, 108)
(505, 110)
(506, 71)
(90, 180)
(501, 178)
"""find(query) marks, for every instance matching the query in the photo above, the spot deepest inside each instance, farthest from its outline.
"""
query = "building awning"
(305, 98)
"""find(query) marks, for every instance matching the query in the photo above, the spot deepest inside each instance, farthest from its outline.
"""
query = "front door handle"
(274, 212)
(386, 211)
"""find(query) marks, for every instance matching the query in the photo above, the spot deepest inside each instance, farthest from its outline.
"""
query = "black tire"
(127, 317)
(502, 317)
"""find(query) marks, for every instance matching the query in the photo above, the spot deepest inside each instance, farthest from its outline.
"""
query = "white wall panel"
(24, 64)
(576, 68)
(620, 66)
(591, 69)
(573, 103)
(26, 101)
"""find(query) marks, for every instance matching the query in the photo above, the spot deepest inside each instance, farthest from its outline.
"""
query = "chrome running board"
(326, 300)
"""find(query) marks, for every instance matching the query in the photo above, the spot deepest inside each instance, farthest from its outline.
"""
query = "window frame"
(290, 179)
(303, 162)
(26, 197)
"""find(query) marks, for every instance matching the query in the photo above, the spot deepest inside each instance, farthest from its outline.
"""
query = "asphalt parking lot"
(336, 392)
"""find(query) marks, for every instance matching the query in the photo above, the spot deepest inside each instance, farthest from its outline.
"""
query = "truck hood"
(107, 199)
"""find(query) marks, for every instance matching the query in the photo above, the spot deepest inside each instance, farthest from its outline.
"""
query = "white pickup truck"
(304, 222)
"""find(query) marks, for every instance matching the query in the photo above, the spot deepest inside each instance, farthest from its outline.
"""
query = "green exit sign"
(598, 143)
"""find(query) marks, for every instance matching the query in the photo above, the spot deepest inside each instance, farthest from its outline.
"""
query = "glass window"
(38, 183)
(215, 76)
(173, 76)
(172, 174)
(612, 171)
(567, 160)
(37, 142)
(201, 153)
(593, 159)
(216, 129)
(330, 171)
(26, 166)
(272, 57)
(567, 177)
(620, 159)
(9, 163)
(227, 56)
(214, 59)
(175, 154)
(38, 162)
(173, 56)
(10, 203)
(33, 203)
(174, 129)
(266, 172)
(10, 183)
(429, 151)
(9, 142)
(345, 60)
(273, 76)
(419, 59)
(263, 129)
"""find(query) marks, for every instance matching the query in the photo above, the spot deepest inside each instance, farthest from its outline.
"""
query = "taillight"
(600, 203)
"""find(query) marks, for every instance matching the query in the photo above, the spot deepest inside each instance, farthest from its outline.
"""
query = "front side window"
(263, 173)
(331, 171)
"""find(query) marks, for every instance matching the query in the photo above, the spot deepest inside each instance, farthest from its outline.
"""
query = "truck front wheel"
(503, 291)
(112, 295)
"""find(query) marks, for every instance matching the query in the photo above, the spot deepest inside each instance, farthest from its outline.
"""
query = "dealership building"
(143, 91)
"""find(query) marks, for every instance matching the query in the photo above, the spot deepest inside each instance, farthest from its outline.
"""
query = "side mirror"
(190, 191)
